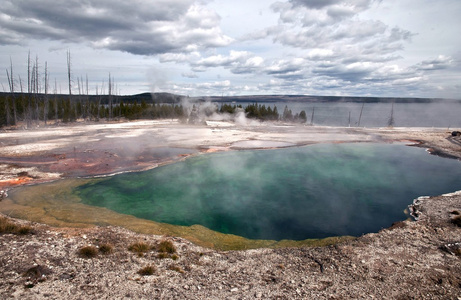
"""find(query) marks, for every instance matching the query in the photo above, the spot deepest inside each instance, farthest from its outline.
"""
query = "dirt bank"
(411, 260)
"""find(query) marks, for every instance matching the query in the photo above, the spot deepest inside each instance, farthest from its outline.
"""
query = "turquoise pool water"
(293, 193)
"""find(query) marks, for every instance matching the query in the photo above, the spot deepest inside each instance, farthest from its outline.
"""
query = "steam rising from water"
(295, 193)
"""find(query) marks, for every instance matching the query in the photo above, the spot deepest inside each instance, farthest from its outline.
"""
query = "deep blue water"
(294, 193)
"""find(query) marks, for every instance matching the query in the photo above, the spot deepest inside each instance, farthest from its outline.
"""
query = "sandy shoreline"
(410, 260)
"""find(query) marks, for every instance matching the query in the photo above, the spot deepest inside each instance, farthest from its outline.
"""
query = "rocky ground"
(411, 260)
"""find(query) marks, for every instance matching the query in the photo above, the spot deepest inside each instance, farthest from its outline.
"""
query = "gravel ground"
(411, 260)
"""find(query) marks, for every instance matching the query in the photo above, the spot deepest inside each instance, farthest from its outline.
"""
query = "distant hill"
(313, 99)
(174, 98)
(104, 99)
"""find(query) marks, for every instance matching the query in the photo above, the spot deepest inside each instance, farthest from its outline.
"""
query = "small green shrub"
(146, 271)
(166, 246)
(88, 252)
(139, 247)
(105, 248)
(162, 255)
(174, 257)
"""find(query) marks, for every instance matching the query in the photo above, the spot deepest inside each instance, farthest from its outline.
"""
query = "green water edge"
(55, 205)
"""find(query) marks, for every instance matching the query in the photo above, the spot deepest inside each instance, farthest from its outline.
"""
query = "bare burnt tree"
(7, 108)
(390, 122)
(360, 116)
(12, 90)
(24, 104)
(78, 85)
(69, 74)
(28, 116)
(45, 109)
(7, 100)
(20, 84)
(88, 111)
(99, 100)
(110, 98)
(82, 106)
(33, 94)
(55, 101)
(28, 74)
(37, 91)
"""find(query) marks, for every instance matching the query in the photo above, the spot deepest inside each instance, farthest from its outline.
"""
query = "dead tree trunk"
(45, 109)
(11, 78)
(69, 73)
(110, 98)
(29, 94)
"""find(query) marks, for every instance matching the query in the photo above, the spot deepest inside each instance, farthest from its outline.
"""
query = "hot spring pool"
(297, 193)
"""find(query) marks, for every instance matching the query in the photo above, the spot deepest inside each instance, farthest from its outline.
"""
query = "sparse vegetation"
(139, 247)
(176, 268)
(456, 220)
(23, 230)
(88, 252)
(105, 248)
(166, 246)
(162, 255)
(174, 257)
(8, 227)
(147, 271)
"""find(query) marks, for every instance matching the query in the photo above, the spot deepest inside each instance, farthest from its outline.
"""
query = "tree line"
(29, 101)
(31, 110)
(263, 113)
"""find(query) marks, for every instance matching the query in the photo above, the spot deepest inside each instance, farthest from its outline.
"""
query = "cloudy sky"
(403, 48)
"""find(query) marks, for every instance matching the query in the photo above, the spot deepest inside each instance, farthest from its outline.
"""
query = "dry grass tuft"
(146, 271)
(88, 252)
(139, 247)
(166, 246)
(456, 220)
(176, 268)
(106, 248)
(8, 227)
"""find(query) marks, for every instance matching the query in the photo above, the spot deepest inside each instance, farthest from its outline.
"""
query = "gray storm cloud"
(139, 27)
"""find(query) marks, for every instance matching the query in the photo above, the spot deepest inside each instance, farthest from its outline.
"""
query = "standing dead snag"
(69, 73)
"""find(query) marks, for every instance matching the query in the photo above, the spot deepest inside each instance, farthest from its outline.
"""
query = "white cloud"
(355, 47)
(318, 54)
